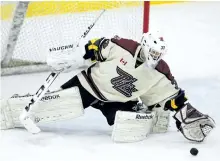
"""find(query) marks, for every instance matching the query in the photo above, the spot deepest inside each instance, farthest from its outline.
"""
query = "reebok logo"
(138, 116)
(46, 98)
(18, 96)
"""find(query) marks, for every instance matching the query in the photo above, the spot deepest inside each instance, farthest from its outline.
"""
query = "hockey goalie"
(128, 82)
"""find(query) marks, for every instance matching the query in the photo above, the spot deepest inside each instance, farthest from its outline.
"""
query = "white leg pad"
(132, 126)
(161, 120)
(54, 106)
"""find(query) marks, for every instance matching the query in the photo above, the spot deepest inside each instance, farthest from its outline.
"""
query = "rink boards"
(46, 8)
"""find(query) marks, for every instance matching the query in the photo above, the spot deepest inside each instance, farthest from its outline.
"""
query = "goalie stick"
(28, 123)
(25, 118)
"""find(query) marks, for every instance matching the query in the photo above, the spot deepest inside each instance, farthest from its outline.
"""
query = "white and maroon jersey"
(117, 78)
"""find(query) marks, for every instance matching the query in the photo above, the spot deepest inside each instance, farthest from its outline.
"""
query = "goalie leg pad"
(132, 126)
(161, 120)
(6, 116)
(54, 106)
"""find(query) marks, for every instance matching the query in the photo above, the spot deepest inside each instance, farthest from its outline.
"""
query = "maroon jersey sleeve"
(127, 44)
(164, 68)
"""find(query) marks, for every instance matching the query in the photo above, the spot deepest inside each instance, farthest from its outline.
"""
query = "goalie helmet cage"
(29, 34)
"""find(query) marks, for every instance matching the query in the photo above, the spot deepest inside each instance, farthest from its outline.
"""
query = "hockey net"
(30, 29)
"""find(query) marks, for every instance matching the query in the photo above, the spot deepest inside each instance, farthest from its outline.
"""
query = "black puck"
(194, 151)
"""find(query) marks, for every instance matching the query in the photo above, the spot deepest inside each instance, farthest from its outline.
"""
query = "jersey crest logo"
(124, 83)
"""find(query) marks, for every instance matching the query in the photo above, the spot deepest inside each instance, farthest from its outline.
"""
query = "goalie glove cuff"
(176, 103)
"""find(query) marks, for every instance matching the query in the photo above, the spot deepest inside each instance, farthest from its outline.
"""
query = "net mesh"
(52, 24)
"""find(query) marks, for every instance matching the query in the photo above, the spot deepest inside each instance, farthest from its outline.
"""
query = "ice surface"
(192, 33)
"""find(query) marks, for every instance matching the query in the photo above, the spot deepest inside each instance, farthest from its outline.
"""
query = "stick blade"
(29, 124)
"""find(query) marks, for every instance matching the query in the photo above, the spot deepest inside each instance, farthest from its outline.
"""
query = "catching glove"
(194, 125)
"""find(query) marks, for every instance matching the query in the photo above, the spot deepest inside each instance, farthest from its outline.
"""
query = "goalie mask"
(153, 48)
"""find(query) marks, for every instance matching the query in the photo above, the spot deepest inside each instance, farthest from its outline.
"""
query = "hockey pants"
(108, 109)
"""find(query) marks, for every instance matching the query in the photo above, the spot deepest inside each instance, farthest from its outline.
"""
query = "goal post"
(35, 27)
(146, 16)
(15, 28)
